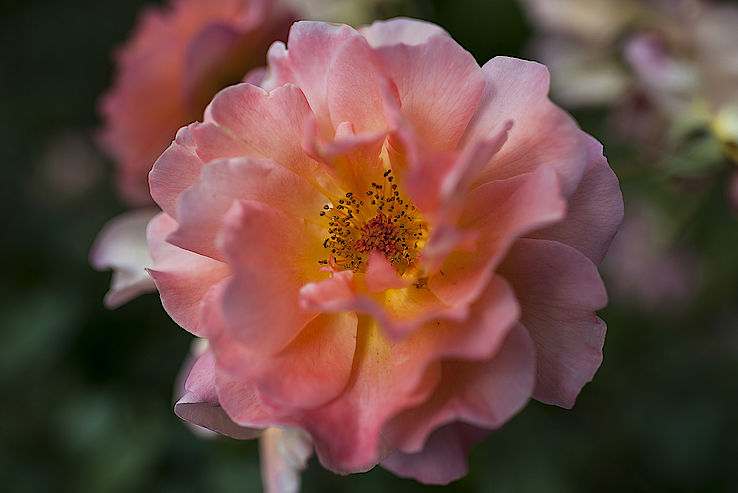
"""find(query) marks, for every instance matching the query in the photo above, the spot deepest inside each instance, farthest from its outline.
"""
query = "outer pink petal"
(176, 169)
(352, 88)
(559, 290)
(542, 134)
(442, 460)
(314, 368)
(182, 277)
(439, 85)
(483, 393)
(271, 254)
(400, 31)
(595, 210)
(270, 124)
(501, 211)
(376, 391)
(121, 246)
(476, 338)
(202, 207)
(200, 404)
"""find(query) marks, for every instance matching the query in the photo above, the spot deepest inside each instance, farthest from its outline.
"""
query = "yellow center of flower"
(379, 220)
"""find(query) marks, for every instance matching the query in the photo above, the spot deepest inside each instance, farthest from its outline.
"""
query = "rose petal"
(272, 255)
(182, 277)
(121, 246)
(542, 133)
(200, 404)
(595, 210)
(202, 207)
(559, 290)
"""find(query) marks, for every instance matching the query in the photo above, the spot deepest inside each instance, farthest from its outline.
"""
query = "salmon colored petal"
(400, 31)
(444, 457)
(182, 277)
(200, 404)
(176, 170)
(352, 87)
(311, 48)
(595, 210)
(380, 275)
(270, 124)
(315, 367)
(272, 255)
(376, 391)
(476, 338)
(559, 290)
(121, 246)
(202, 207)
(482, 393)
(542, 133)
(501, 211)
(439, 85)
(353, 159)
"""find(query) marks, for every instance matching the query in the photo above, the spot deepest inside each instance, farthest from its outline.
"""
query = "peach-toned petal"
(353, 159)
(559, 290)
(200, 404)
(272, 255)
(442, 460)
(400, 31)
(476, 338)
(380, 275)
(315, 367)
(202, 207)
(352, 88)
(176, 170)
(542, 133)
(283, 453)
(501, 211)
(438, 84)
(307, 61)
(121, 246)
(182, 277)
(483, 393)
(375, 392)
(595, 210)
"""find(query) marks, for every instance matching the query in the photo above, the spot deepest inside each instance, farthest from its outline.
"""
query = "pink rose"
(175, 61)
(387, 246)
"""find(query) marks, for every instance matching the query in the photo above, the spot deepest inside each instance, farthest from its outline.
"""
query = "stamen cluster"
(383, 222)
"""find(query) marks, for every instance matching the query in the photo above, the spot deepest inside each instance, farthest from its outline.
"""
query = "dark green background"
(86, 392)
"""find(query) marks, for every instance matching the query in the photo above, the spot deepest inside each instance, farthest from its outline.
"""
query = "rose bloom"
(178, 57)
(386, 246)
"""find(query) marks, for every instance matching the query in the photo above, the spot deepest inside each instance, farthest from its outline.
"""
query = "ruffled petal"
(501, 211)
(182, 277)
(272, 255)
(176, 170)
(442, 460)
(542, 133)
(484, 393)
(392, 32)
(438, 84)
(270, 124)
(559, 290)
(595, 210)
(200, 404)
(121, 245)
(202, 207)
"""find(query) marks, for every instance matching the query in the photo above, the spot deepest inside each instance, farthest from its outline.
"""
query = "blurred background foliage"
(87, 392)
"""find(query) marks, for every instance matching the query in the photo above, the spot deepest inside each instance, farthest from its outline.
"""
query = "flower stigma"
(379, 220)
